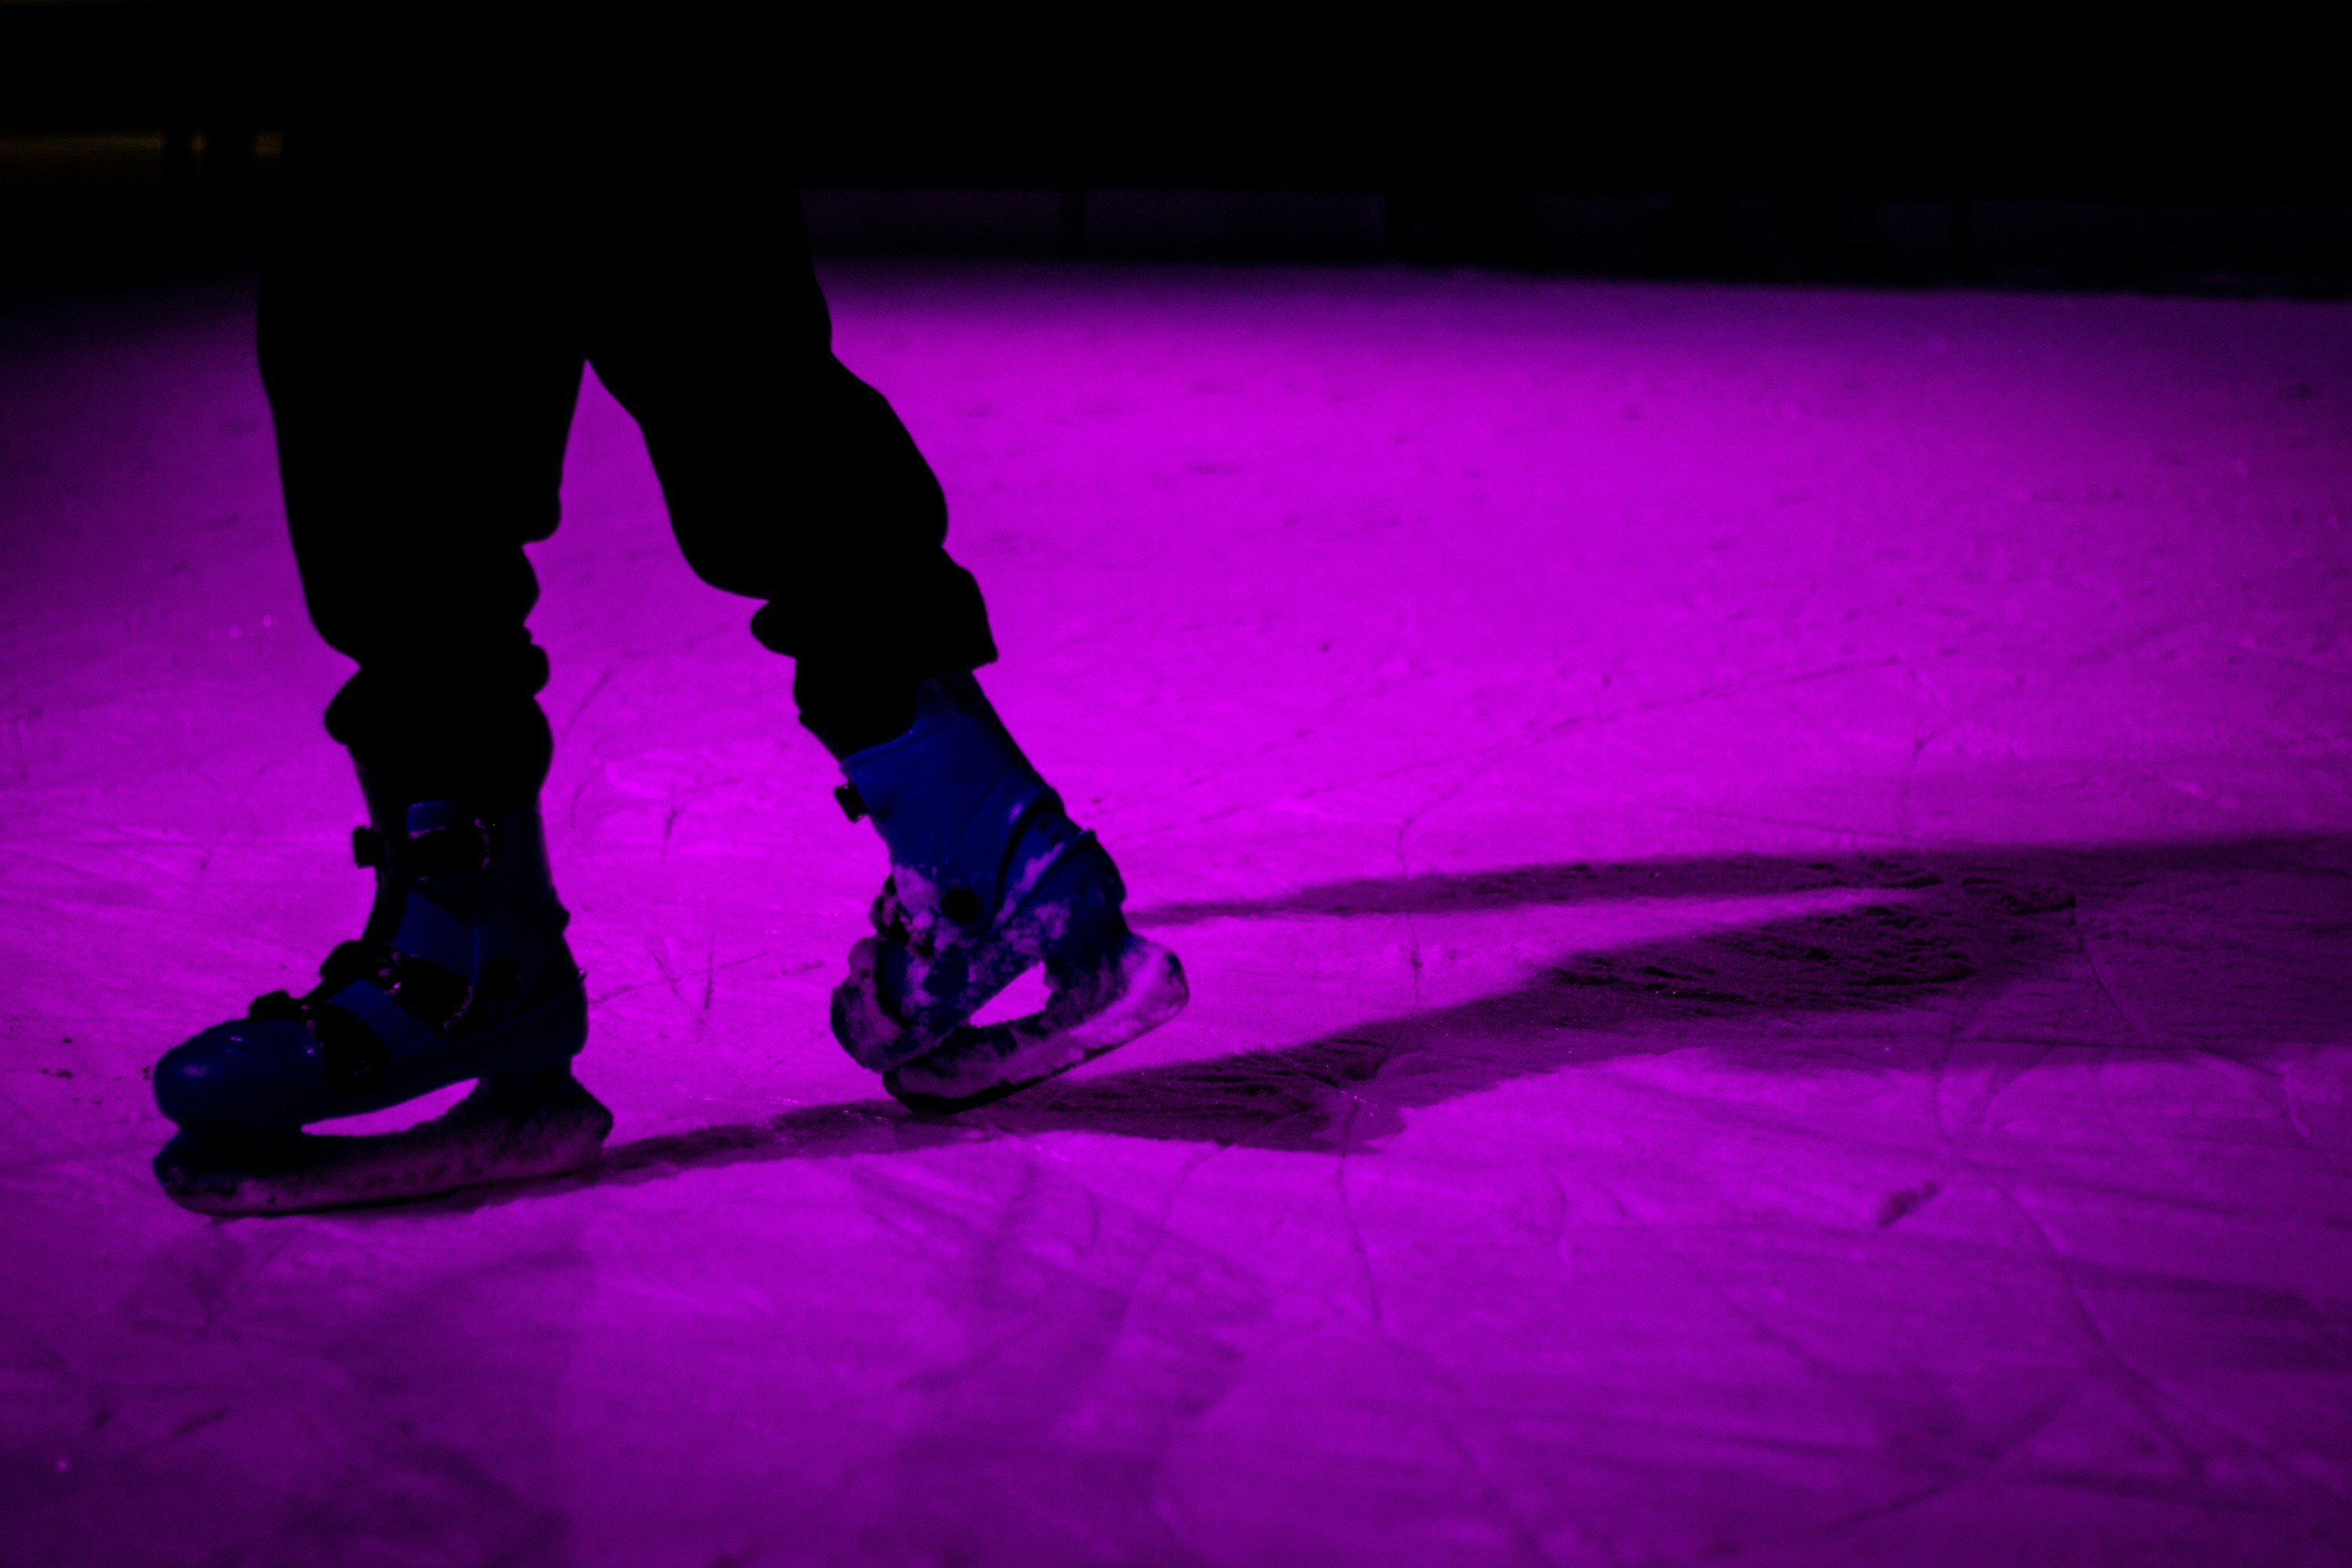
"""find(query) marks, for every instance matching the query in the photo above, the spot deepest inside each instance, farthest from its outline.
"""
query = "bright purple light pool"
(1767, 878)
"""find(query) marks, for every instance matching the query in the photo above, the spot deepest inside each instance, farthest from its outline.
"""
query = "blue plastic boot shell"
(464, 974)
(989, 877)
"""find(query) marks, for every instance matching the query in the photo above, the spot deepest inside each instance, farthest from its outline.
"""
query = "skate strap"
(458, 849)
(437, 998)
(355, 1055)
(354, 1058)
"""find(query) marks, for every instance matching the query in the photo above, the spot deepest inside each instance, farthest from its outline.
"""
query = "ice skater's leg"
(791, 480)
(422, 361)
(421, 376)
(788, 479)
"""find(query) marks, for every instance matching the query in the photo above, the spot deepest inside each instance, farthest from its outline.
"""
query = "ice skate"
(461, 972)
(988, 878)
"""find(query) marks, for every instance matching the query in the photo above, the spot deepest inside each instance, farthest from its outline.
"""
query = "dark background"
(139, 138)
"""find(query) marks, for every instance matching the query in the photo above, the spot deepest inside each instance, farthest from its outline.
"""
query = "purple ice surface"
(1765, 874)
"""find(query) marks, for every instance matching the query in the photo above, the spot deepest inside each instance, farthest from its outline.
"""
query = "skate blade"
(978, 1067)
(466, 1146)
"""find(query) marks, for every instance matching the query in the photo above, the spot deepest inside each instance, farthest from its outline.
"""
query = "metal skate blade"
(979, 1067)
(471, 1145)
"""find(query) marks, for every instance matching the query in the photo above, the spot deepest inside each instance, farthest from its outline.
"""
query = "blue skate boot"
(461, 972)
(988, 878)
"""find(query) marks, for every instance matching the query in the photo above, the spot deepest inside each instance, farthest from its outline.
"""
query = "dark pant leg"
(788, 479)
(417, 347)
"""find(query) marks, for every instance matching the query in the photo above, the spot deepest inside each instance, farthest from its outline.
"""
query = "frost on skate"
(935, 958)
(1085, 1015)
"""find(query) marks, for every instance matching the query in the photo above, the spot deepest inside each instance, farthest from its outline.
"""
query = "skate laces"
(438, 997)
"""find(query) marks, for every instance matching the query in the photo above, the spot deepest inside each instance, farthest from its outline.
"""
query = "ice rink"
(1766, 880)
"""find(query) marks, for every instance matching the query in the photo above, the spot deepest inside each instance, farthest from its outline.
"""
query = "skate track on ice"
(1767, 874)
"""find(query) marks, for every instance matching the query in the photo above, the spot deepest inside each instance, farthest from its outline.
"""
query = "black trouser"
(425, 318)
